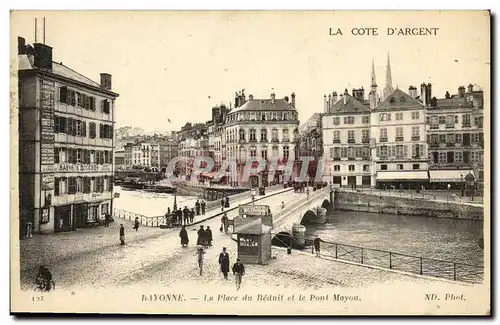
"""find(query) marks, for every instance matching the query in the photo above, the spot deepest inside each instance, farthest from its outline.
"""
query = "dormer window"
(402, 99)
(392, 100)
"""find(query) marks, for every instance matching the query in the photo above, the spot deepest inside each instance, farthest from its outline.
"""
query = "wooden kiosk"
(253, 229)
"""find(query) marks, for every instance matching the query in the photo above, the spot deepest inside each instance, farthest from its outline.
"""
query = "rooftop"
(349, 104)
(264, 105)
(398, 99)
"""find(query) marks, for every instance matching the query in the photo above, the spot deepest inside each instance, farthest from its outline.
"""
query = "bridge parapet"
(293, 214)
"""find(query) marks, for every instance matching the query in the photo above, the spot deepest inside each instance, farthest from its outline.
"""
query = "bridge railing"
(300, 203)
(143, 220)
(449, 270)
(403, 262)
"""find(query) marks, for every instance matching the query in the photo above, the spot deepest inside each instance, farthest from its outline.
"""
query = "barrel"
(299, 233)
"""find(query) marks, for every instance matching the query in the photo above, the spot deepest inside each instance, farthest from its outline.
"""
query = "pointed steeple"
(374, 80)
(388, 78)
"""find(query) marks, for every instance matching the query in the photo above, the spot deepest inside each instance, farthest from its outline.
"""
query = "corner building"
(66, 124)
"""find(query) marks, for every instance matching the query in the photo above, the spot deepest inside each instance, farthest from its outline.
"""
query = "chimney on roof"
(250, 97)
(461, 92)
(447, 95)
(412, 91)
(345, 100)
(43, 56)
(346, 92)
(335, 98)
(325, 104)
(106, 81)
(423, 94)
(470, 88)
(293, 100)
(286, 99)
(273, 98)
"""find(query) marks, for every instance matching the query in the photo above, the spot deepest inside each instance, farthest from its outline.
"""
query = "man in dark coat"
(122, 235)
(222, 202)
(191, 216)
(317, 243)
(178, 214)
(136, 224)
(197, 207)
(224, 262)
(209, 236)
(201, 235)
(203, 206)
(238, 271)
(184, 236)
(186, 215)
(227, 202)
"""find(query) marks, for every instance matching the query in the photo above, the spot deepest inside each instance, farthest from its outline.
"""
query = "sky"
(178, 65)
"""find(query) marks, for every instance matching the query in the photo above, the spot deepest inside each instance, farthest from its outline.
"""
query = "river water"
(444, 239)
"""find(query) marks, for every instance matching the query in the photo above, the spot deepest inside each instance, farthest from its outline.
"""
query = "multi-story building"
(261, 129)
(144, 153)
(310, 142)
(346, 140)
(455, 136)
(169, 149)
(215, 130)
(65, 143)
(400, 148)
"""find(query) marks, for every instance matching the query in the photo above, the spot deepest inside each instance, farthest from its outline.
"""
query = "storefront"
(402, 179)
(439, 179)
(62, 218)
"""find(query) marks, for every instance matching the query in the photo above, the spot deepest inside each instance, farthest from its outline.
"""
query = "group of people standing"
(224, 262)
(186, 216)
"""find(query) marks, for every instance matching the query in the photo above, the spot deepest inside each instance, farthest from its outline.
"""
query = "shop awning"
(402, 175)
(451, 176)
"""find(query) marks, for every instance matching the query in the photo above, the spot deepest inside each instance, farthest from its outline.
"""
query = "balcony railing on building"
(336, 140)
(351, 140)
(400, 139)
(365, 140)
(382, 139)
(415, 138)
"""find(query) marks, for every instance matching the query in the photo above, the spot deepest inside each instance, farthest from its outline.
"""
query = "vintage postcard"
(250, 162)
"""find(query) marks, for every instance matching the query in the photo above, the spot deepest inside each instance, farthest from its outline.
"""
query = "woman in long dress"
(184, 236)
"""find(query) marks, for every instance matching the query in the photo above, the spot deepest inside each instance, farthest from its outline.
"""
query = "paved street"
(154, 256)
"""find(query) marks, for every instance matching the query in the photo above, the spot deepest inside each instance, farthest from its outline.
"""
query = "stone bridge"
(290, 221)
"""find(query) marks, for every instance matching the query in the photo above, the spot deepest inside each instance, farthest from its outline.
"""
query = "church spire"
(388, 79)
(374, 80)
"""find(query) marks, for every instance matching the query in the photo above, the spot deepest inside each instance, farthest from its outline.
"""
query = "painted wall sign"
(83, 168)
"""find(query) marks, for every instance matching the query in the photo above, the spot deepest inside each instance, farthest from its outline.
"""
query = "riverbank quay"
(405, 204)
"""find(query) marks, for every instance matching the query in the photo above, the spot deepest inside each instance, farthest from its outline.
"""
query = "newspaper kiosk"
(253, 229)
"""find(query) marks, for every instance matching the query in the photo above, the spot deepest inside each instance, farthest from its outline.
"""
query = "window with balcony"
(286, 136)
(442, 138)
(417, 151)
(365, 135)
(399, 134)
(383, 135)
(336, 153)
(253, 137)
(415, 115)
(350, 136)
(434, 122)
(241, 135)
(442, 119)
(450, 121)
(336, 136)
(458, 157)
(458, 138)
(343, 152)
(399, 151)
(415, 133)
(351, 153)
(382, 152)
(263, 135)
(442, 157)
(286, 153)
(466, 120)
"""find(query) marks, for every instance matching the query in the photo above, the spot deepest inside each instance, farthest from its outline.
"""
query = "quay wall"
(366, 202)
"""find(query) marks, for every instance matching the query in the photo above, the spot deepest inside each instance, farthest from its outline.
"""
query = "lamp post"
(462, 184)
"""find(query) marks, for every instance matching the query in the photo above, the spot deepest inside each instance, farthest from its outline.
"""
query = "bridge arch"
(308, 217)
(327, 205)
(282, 239)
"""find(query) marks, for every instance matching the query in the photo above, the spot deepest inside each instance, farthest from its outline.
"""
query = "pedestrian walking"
(224, 262)
(184, 237)
(197, 207)
(201, 234)
(307, 192)
(317, 244)
(209, 236)
(282, 204)
(238, 271)
(122, 234)
(178, 214)
(136, 224)
(107, 219)
(222, 202)
(203, 207)
(191, 215)
(29, 229)
(224, 220)
(200, 252)
(227, 202)
(186, 215)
